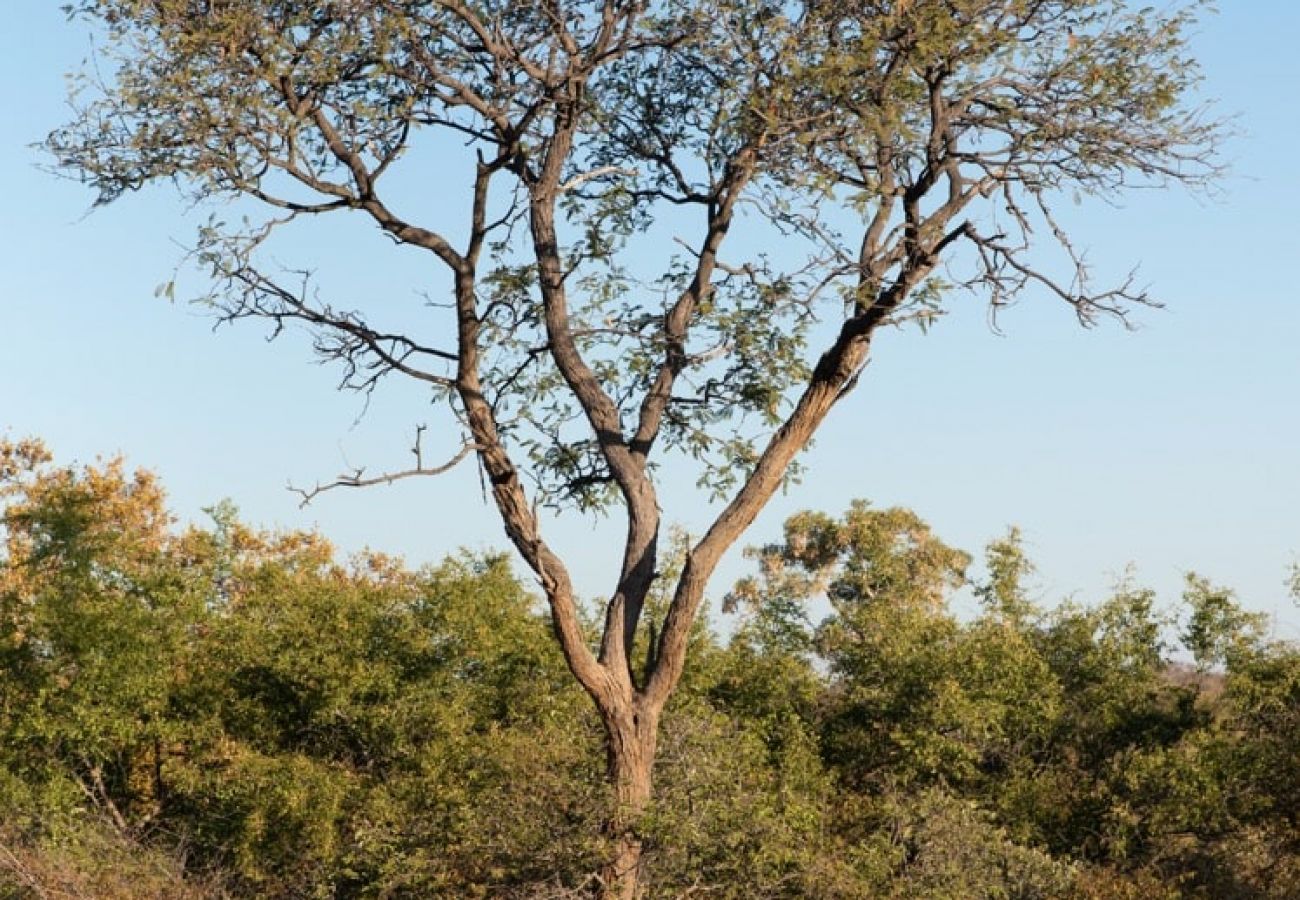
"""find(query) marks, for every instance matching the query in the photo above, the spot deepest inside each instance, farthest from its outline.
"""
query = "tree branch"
(356, 478)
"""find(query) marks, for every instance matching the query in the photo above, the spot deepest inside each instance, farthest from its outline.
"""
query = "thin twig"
(356, 478)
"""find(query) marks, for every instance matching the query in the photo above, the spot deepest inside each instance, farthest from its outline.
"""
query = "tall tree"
(873, 139)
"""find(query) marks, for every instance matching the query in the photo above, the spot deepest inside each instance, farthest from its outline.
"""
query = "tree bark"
(632, 735)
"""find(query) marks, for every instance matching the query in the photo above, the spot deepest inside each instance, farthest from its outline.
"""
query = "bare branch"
(357, 477)
(602, 172)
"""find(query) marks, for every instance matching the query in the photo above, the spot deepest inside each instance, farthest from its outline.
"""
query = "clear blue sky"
(1173, 447)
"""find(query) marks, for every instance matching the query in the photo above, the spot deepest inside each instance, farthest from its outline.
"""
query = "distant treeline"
(203, 712)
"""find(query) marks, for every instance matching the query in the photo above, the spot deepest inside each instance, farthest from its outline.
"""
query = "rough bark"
(631, 740)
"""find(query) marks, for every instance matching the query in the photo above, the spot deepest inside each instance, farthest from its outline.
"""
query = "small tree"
(874, 140)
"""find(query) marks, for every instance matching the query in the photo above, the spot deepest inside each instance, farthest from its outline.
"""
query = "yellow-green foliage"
(216, 711)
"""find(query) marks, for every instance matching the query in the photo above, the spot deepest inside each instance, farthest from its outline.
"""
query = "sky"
(1171, 447)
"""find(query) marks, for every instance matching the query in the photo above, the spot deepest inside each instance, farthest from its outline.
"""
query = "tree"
(872, 142)
(96, 611)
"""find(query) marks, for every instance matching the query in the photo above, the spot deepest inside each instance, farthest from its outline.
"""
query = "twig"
(356, 478)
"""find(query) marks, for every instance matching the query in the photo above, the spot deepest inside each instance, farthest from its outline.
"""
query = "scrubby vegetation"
(220, 712)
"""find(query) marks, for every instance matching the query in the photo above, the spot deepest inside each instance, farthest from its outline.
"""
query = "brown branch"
(637, 569)
(677, 321)
(356, 478)
(834, 376)
(98, 794)
(392, 350)
(364, 181)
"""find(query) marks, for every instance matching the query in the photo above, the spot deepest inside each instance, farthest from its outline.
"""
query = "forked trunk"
(631, 751)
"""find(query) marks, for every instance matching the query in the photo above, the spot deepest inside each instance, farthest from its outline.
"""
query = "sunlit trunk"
(631, 748)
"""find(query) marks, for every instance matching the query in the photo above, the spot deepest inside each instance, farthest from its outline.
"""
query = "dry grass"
(93, 863)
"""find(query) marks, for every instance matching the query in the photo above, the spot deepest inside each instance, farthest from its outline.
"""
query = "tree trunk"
(631, 740)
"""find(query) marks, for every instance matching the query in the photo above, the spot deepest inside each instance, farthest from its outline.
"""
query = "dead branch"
(357, 477)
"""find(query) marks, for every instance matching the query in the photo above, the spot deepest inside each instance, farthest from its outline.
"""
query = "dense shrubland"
(220, 712)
